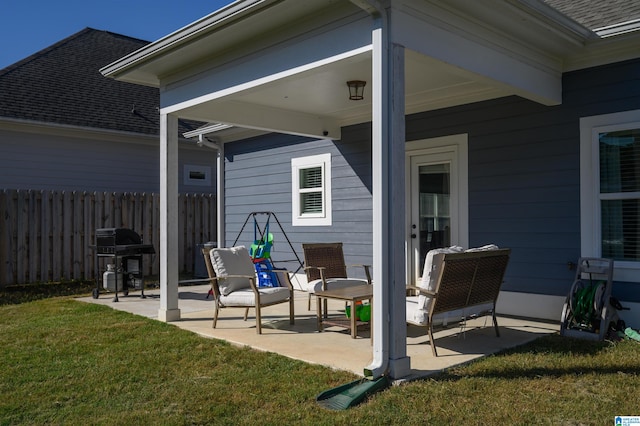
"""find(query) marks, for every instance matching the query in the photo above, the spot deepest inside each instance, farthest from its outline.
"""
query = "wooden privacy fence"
(47, 235)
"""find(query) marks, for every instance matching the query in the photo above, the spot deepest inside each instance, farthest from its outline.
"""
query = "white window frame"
(311, 219)
(590, 219)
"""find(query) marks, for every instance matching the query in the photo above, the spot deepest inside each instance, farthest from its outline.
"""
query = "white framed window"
(311, 190)
(610, 190)
(197, 175)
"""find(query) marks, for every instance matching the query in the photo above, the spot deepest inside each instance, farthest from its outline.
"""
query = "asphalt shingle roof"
(62, 84)
(595, 14)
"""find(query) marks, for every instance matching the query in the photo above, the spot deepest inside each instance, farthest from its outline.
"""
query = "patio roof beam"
(482, 54)
(265, 118)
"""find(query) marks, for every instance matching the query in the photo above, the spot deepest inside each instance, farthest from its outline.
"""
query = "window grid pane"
(620, 211)
(621, 229)
(311, 177)
(620, 161)
(311, 202)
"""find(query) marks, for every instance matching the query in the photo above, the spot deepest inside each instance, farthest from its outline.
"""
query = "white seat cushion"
(419, 317)
(232, 261)
(334, 283)
(246, 297)
(430, 273)
(428, 282)
(418, 306)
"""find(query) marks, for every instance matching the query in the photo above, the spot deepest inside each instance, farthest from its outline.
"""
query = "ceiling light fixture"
(356, 89)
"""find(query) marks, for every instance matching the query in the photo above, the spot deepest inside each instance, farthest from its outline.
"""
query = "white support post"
(169, 310)
(399, 362)
(388, 153)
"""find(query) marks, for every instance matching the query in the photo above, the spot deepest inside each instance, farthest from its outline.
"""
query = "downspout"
(220, 207)
(380, 363)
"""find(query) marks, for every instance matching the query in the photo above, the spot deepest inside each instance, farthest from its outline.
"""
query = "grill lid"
(116, 236)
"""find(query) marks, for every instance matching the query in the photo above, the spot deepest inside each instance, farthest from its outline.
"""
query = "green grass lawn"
(68, 362)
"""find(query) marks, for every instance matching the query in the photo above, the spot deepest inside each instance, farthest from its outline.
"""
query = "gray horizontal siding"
(258, 176)
(524, 173)
(524, 177)
(57, 162)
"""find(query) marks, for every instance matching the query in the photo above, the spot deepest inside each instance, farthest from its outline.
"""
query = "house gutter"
(618, 29)
(380, 363)
(229, 14)
(545, 12)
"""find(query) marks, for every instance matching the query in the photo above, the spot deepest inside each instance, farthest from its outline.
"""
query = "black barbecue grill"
(125, 247)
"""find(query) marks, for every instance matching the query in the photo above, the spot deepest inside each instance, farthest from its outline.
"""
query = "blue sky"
(27, 26)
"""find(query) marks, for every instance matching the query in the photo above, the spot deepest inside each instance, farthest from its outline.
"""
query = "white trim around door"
(452, 151)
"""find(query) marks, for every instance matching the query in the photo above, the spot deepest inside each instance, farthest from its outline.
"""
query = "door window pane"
(435, 207)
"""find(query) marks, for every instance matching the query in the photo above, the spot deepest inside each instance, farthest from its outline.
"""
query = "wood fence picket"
(47, 235)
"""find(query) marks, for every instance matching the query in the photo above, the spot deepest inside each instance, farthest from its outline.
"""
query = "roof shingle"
(597, 14)
(62, 84)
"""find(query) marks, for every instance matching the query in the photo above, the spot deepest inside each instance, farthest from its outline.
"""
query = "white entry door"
(437, 203)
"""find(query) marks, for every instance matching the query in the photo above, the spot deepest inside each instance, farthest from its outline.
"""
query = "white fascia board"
(224, 16)
(557, 22)
(272, 58)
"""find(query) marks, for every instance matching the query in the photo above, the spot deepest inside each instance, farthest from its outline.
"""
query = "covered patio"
(276, 66)
(333, 347)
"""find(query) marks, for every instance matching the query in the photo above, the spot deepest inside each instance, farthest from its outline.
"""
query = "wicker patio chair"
(326, 269)
(457, 285)
(234, 284)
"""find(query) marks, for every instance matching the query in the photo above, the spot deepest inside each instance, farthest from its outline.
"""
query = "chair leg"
(246, 314)
(433, 342)
(215, 313)
(309, 302)
(495, 323)
(258, 320)
(291, 309)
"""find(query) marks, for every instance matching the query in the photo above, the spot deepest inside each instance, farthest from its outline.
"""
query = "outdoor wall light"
(356, 89)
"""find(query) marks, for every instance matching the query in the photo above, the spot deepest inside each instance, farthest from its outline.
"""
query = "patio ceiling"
(322, 94)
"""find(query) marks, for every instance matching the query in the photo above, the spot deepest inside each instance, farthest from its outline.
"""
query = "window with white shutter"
(311, 190)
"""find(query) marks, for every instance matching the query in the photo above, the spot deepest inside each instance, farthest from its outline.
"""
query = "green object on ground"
(365, 313)
(351, 394)
(632, 334)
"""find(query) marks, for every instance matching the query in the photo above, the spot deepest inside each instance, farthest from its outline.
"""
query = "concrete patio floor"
(333, 347)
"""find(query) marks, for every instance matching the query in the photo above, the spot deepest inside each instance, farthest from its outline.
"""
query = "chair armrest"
(284, 273)
(321, 269)
(367, 271)
(422, 291)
